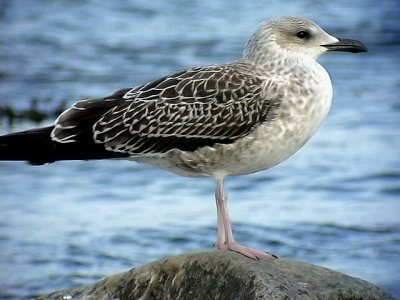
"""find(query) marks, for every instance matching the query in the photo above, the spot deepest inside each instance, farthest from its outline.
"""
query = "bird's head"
(297, 36)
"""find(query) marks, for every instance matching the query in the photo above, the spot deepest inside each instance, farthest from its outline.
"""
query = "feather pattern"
(188, 110)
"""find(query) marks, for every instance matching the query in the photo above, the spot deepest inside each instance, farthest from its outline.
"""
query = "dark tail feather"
(37, 147)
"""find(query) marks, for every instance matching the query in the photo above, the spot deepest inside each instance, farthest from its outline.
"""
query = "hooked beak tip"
(347, 45)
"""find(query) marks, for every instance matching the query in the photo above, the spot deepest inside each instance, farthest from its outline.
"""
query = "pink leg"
(225, 239)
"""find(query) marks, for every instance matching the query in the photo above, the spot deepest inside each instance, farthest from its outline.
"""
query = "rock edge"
(225, 275)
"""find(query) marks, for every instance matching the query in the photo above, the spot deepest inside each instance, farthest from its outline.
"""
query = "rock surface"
(225, 275)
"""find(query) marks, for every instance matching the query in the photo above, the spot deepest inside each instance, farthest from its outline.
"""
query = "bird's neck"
(279, 60)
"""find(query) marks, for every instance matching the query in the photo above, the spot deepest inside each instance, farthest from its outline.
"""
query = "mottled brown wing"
(195, 108)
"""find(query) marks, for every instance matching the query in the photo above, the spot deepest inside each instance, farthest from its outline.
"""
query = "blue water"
(336, 203)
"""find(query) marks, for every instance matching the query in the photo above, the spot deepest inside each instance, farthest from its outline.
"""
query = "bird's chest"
(304, 105)
(301, 112)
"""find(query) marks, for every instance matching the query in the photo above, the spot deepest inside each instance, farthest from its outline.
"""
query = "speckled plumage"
(186, 111)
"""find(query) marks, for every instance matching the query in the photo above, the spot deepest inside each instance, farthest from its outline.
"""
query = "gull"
(231, 119)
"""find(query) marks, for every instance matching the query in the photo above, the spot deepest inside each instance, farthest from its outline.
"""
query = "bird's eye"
(302, 34)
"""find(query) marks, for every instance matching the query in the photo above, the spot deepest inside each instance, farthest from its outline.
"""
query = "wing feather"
(188, 110)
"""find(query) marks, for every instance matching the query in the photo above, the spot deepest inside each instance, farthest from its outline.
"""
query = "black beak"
(346, 45)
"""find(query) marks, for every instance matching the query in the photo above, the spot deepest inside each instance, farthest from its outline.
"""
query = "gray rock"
(225, 275)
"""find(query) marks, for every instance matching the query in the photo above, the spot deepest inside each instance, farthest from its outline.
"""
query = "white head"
(297, 36)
